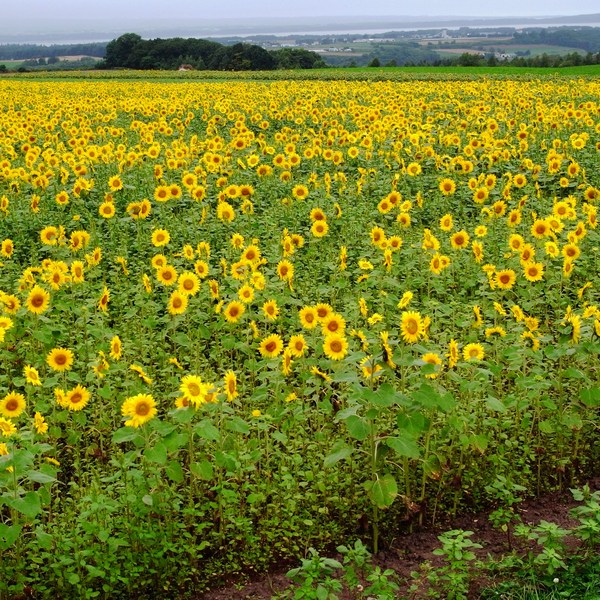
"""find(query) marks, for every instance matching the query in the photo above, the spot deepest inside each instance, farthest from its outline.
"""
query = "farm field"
(240, 318)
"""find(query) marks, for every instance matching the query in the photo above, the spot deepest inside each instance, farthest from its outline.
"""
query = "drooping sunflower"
(60, 359)
(12, 405)
(411, 326)
(140, 409)
(104, 300)
(335, 346)
(271, 346)
(77, 398)
(38, 300)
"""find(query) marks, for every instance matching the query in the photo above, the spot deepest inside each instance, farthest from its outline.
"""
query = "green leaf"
(174, 441)
(207, 431)
(148, 500)
(202, 470)
(590, 397)
(125, 434)
(174, 472)
(9, 534)
(339, 452)
(413, 422)
(404, 446)
(226, 461)
(182, 339)
(156, 454)
(237, 425)
(40, 477)
(384, 490)
(29, 505)
(495, 404)
(357, 427)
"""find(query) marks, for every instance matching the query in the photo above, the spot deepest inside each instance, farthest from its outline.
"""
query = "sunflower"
(411, 326)
(323, 311)
(271, 346)
(446, 222)
(519, 180)
(77, 398)
(230, 382)
(505, 279)
(270, 309)
(178, 303)
(160, 237)
(246, 294)
(333, 323)
(225, 212)
(533, 271)
(540, 228)
(308, 317)
(335, 346)
(459, 240)
(115, 183)
(140, 409)
(107, 210)
(32, 376)
(447, 187)
(7, 428)
(285, 270)
(434, 359)
(300, 192)
(12, 405)
(473, 351)
(188, 283)
(194, 390)
(234, 311)
(49, 236)
(167, 275)
(405, 300)
(453, 353)
(116, 348)
(77, 272)
(319, 229)
(297, 345)
(38, 300)
(60, 359)
(104, 300)
(7, 248)
(571, 252)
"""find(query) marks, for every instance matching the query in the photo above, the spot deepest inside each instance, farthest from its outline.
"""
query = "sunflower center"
(142, 409)
(336, 346)
(60, 359)
(76, 398)
(12, 404)
(193, 389)
(37, 300)
(270, 346)
(412, 327)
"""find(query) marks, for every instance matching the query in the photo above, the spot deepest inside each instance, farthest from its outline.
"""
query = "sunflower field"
(239, 319)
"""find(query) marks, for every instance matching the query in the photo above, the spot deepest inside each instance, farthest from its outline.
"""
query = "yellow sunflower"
(38, 300)
(411, 326)
(140, 409)
(335, 346)
(271, 346)
(60, 359)
(12, 405)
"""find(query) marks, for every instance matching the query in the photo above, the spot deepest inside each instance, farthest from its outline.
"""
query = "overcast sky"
(21, 11)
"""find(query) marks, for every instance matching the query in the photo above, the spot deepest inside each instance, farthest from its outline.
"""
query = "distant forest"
(130, 51)
(35, 51)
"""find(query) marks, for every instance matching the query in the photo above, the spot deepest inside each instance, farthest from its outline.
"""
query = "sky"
(22, 11)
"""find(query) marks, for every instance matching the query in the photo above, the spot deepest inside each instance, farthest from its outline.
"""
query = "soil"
(408, 552)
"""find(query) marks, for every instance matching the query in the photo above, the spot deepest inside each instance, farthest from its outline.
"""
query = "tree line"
(130, 51)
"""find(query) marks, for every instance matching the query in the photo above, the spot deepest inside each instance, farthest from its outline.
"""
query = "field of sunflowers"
(239, 319)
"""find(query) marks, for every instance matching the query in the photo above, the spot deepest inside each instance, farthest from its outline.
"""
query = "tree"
(375, 63)
(120, 52)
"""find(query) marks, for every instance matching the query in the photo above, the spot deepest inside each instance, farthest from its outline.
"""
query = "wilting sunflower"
(335, 346)
(411, 326)
(140, 409)
(60, 359)
(271, 346)
(12, 405)
(77, 398)
(234, 311)
(38, 300)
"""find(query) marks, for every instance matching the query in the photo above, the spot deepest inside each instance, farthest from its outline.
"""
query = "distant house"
(185, 68)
